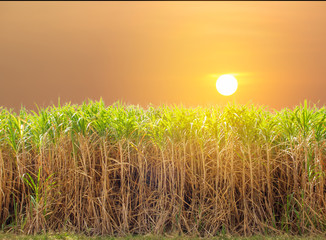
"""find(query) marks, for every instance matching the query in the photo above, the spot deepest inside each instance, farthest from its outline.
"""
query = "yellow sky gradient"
(162, 52)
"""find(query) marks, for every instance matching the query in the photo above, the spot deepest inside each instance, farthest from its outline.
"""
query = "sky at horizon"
(162, 52)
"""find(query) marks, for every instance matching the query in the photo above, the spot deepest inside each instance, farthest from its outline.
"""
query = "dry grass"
(121, 170)
(67, 236)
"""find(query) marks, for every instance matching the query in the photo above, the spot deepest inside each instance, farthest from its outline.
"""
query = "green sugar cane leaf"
(29, 180)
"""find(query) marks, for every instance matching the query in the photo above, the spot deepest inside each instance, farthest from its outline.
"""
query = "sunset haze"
(162, 52)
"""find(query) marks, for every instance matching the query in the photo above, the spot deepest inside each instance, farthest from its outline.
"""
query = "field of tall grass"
(122, 169)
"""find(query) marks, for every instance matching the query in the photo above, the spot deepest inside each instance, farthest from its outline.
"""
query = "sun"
(226, 84)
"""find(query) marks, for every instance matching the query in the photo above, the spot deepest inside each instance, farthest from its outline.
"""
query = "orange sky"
(162, 52)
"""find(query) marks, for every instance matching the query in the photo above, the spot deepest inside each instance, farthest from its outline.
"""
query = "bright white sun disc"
(226, 84)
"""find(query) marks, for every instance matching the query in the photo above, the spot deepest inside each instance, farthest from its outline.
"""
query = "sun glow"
(226, 84)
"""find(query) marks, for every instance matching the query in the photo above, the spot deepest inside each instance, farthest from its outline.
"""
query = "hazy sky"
(162, 52)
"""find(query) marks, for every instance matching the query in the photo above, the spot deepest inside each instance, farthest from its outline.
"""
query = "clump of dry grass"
(199, 171)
